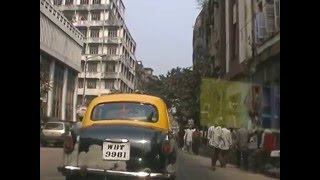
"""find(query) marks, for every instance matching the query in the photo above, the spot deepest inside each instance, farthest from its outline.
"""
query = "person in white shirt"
(214, 136)
(188, 137)
(225, 145)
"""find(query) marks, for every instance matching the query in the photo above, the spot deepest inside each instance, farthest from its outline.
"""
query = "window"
(234, 32)
(53, 126)
(83, 16)
(84, 49)
(277, 14)
(82, 65)
(84, 1)
(112, 33)
(92, 67)
(80, 83)
(57, 2)
(69, 2)
(91, 83)
(94, 33)
(94, 49)
(57, 91)
(70, 95)
(69, 16)
(84, 32)
(109, 84)
(95, 16)
(112, 50)
(136, 111)
(96, 2)
(110, 67)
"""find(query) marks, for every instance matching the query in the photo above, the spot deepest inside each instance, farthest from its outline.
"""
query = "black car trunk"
(145, 147)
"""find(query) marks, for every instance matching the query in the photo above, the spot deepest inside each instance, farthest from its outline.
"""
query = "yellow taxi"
(122, 135)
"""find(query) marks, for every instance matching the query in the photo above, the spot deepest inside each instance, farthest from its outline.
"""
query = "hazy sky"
(163, 31)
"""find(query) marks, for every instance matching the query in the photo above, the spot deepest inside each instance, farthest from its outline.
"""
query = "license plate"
(116, 151)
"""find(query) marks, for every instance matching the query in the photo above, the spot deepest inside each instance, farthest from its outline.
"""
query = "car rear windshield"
(54, 126)
(135, 111)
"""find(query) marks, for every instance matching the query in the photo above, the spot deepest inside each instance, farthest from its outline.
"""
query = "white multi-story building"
(108, 57)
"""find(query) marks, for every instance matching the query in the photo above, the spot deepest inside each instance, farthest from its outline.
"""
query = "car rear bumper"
(72, 170)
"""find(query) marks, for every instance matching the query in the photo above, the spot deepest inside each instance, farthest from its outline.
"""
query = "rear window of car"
(53, 126)
(135, 111)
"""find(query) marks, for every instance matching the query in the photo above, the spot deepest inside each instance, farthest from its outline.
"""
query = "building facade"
(60, 53)
(108, 56)
(209, 39)
(143, 76)
(246, 39)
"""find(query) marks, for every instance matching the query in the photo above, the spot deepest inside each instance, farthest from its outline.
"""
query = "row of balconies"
(93, 92)
(116, 58)
(98, 23)
(118, 76)
(88, 7)
(104, 75)
(111, 40)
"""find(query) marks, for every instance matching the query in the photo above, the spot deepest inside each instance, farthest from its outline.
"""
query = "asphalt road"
(190, 167)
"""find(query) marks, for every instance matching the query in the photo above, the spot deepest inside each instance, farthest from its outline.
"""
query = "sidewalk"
(274, 173)
(198, 167)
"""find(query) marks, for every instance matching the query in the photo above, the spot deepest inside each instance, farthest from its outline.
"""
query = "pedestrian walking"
(196, 141)
(242, 147)
(181, 137)
(267, 145)
(214, 136)
(253, 147)
(224, 146)
(188, 138)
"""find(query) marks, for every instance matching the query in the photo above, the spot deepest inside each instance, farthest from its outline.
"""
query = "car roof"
(127, 97)
(162, 122)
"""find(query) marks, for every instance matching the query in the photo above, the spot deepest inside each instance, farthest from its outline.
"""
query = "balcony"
(110, 75)
(98, 23)
(90, 75)
(93, 92)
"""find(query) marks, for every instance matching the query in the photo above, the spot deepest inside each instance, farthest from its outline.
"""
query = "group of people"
(251, 146)
(246, 143)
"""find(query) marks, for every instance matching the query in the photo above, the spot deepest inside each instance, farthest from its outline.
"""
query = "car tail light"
(166, 147)
(68, 144)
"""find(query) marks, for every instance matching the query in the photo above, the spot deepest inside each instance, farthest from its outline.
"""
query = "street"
(189, 167)
(50, 159)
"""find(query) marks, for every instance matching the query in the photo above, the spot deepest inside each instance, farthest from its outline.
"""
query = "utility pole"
(101, 62)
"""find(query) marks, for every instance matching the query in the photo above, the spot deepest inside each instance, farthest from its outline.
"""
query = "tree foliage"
(180, 89)
(44, 84)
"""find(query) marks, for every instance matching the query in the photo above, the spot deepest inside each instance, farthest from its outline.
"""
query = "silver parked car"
(52, 133)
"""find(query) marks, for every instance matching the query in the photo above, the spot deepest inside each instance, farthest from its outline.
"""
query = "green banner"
(224, 103)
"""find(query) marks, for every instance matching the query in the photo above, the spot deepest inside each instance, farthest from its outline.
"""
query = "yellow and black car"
(121, 136)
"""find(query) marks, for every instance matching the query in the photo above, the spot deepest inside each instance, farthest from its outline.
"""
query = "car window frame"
(146, 103)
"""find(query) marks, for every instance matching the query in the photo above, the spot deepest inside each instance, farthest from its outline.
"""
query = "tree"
(180, 89)
(45, 86)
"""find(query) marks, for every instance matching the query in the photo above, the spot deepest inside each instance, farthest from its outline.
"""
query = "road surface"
(190, 167)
